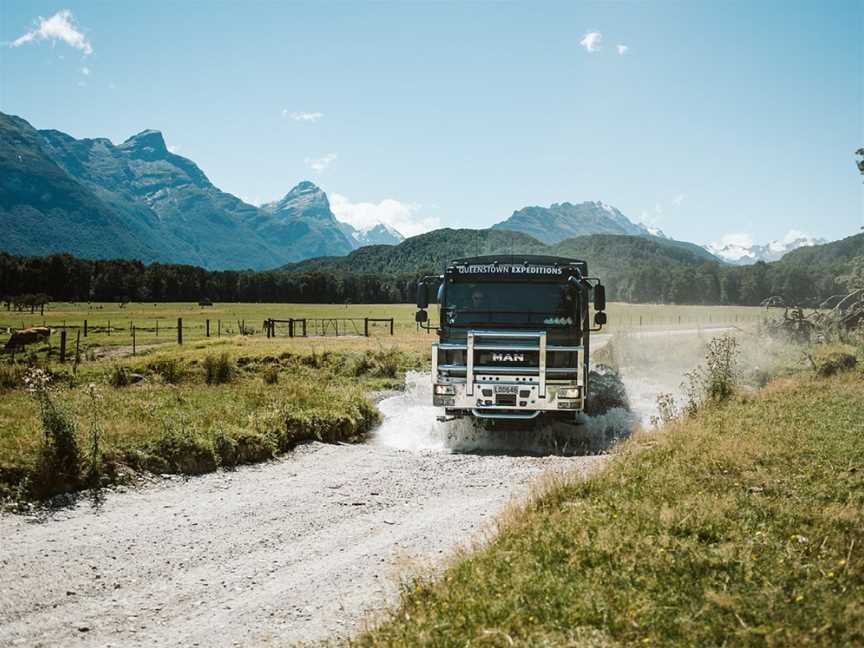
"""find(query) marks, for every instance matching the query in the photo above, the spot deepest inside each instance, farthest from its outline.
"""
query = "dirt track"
(298, 549)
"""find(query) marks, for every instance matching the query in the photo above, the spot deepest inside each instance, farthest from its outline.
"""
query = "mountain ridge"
(137, 199)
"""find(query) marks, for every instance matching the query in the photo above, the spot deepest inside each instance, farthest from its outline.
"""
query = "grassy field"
(190, 409)
(172, 409)
(741, 525)
(156, 323)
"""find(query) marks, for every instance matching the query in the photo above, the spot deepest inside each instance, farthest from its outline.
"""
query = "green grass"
(224, 319)
(743, 525)
(192, 410)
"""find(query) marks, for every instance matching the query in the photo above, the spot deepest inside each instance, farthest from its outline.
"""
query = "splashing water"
(410, 423)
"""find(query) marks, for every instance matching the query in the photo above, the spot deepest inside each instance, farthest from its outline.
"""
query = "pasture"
(221, 400)
(111, 325)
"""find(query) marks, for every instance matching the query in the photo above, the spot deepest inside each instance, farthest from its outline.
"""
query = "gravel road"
(305, 548)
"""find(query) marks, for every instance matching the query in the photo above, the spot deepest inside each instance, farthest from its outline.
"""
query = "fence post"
(157, 328)
(133, 339)
(366, 326)
(219, 328)
(85, 328)
(291, 327)
(109, 327)
(640, 320)
(304, 327)
(391, 326)
(207, 328)
(63, 345)
(179, 330)
(77, 351)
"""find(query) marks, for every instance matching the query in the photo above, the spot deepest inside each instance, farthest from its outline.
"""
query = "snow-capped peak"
(375, 234)
(740, 249)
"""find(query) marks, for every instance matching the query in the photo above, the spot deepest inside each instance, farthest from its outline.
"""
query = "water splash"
(410, 423)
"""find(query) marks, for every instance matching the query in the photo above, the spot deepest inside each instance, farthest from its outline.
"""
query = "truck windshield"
(549, 304)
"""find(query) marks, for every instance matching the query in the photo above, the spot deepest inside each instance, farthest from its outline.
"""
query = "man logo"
(508, 357)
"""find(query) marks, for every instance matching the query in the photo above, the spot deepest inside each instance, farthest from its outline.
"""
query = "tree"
(853, 279)
(860, 163)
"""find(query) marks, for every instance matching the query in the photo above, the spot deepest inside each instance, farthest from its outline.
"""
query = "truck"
(514, 336)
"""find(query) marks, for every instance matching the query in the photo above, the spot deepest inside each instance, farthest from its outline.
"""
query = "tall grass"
(740, 525)
(174, 419)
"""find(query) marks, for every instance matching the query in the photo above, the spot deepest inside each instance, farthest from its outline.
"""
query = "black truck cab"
(513, 335)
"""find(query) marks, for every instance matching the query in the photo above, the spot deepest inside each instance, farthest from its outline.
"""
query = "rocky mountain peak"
(306, 197)
(148, 144)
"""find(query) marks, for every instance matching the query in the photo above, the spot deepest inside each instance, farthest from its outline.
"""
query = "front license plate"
(506, 389)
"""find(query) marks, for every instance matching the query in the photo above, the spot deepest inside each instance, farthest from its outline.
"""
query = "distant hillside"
(428, 253)
(829, 254)
(138, 200)
(44, 209)
(610, 255)
(564, 220)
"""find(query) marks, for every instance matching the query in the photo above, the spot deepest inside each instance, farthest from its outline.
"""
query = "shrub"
(716, 379)
(118, 377)
(667, 410)
(218, 369)
(835, 362)
(377, 364)
(58, 466)
(270, 375)
(59, 463)
(170, 369)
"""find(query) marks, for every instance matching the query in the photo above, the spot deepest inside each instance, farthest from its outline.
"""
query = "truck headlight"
(445, 390)
(570, 392)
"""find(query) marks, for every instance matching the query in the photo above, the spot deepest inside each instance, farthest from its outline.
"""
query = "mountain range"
(742, 251)
(564, 220)
(94, 199)
(429, 252)
(138, 200)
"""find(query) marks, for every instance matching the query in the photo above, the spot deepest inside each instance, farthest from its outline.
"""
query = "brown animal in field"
(22, 338)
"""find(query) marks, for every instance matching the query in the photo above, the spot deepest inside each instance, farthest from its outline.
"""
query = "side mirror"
(422, 297)
(599, 318)
(599, 297)
(421, 316)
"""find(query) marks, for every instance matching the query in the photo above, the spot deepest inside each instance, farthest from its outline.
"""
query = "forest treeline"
(66, 278)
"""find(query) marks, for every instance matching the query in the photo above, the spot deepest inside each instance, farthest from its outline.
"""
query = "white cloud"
(591, 42)
(735, 239)
(622, 50)
(794, 235)
(403, 217)
(302, 116)
(677, 200)
(85, 71)
(60, 26)
(318, 165)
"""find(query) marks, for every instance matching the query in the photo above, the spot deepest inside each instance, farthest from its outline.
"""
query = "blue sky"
(733, 118)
